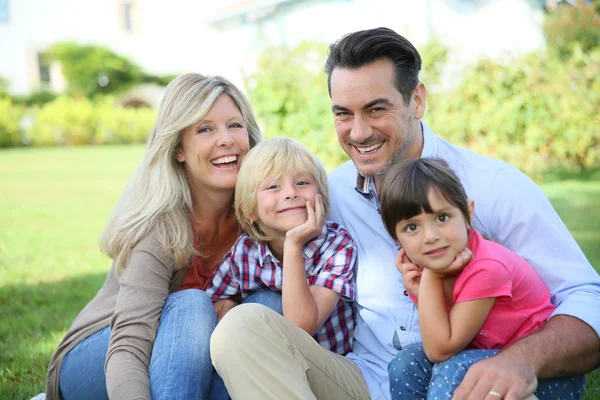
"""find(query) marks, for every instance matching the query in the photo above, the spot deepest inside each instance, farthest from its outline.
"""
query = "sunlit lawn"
(53, 206)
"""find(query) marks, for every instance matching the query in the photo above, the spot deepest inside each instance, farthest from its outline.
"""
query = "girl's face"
(281, 203)
(434, 240)
(213, 148)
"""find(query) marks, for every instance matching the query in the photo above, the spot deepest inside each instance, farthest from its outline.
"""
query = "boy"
(281, 198)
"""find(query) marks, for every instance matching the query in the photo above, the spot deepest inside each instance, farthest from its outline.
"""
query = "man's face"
(374, 125)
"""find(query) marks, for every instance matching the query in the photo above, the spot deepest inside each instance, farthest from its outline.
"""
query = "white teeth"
(224, 160)
(364, 150)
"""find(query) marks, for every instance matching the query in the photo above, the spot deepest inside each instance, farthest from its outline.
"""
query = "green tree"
(289, 94)
(91, 70)
(567, 27)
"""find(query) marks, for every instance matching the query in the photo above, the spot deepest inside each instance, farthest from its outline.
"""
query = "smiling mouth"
(369, 149)
(437, 252)
(226, 162)
(292, 209)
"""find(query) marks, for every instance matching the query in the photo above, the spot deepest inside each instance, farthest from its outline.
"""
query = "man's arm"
(575, 350)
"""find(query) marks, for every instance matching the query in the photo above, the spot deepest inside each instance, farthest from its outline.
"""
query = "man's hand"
(411, 273)
(504, 375)
(312, 227)
(223, 306)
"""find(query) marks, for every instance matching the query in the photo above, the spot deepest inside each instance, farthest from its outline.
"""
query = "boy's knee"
(240, 326)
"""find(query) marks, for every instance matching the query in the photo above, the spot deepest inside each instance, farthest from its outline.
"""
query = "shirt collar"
(430, 142)
(309, 249)
(364, 184)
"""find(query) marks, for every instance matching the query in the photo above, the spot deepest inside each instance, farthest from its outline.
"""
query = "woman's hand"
(312, 227)
(411, 273)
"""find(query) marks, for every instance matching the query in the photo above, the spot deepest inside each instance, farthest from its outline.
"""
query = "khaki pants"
(261, 355)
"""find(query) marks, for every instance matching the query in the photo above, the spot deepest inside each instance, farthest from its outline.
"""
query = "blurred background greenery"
(538, 111)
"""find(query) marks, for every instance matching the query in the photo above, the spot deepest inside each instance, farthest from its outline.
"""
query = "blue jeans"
(180, 366)
(413, 376)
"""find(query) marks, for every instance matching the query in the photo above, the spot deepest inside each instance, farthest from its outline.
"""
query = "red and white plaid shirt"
(329, 261)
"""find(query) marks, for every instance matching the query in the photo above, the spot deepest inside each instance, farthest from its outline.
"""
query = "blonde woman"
(143, 336)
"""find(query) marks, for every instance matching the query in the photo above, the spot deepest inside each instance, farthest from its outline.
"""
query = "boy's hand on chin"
(311, 228)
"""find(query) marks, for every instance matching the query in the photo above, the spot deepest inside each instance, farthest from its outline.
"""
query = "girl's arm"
(447, 333)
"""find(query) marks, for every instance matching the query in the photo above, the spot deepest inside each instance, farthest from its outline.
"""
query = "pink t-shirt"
(522, 300)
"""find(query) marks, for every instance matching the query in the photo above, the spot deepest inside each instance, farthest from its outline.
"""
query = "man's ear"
(419, 100)
(471, 212)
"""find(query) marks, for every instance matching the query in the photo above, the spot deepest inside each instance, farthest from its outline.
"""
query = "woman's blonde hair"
(273, 158)
(158, 199)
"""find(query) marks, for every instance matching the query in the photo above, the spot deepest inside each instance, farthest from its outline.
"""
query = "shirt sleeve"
(144, 287)
(522, 219)
(482, 280)
(338, 263)
(225, 282)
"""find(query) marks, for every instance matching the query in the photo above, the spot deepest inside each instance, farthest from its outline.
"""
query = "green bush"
(91, 70)
(78, 120)
(568, 27)
(36, 98)
(10, 115)
(289, 96)
(537, 113)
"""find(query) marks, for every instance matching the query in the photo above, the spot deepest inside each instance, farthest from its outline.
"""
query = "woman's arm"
(447, 333)
(144, 287)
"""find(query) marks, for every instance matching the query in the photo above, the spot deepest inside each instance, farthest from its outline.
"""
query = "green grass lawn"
(54, 203)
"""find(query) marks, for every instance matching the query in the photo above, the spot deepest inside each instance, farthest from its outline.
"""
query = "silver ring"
(495, 394)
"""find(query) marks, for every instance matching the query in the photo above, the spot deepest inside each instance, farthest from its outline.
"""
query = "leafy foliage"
(568, 27)
(289, 95)
(10, 114)
(91, 70)
(78, 120)
(536, 113)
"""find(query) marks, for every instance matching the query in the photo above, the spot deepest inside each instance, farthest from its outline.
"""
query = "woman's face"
(213, 148)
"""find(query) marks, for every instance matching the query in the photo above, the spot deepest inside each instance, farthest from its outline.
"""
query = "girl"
(471, 292)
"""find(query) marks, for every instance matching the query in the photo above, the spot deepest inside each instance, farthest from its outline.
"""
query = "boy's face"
(434, 240)
(281, 203)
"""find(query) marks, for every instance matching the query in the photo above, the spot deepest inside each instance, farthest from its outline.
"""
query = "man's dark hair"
(361, 48)
(405, 190)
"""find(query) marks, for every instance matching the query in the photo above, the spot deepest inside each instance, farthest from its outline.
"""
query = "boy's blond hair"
(273, 158)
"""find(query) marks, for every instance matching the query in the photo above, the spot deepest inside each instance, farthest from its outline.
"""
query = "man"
(378, 103)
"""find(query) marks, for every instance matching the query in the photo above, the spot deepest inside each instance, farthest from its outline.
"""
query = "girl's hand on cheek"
(460, 261)
(411, 273)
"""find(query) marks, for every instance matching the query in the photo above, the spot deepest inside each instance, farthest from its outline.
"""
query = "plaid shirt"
(329, 261)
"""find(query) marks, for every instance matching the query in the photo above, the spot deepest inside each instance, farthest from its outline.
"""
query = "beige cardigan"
(131, 304)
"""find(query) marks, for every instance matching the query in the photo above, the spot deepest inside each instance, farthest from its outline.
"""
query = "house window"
(44, 70)
(3, 11)
(127, 11)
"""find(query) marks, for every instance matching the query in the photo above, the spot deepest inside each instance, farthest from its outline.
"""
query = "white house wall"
(174, 36)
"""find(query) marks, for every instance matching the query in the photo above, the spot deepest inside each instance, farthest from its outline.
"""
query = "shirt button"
(402, 328)
(406, 292)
